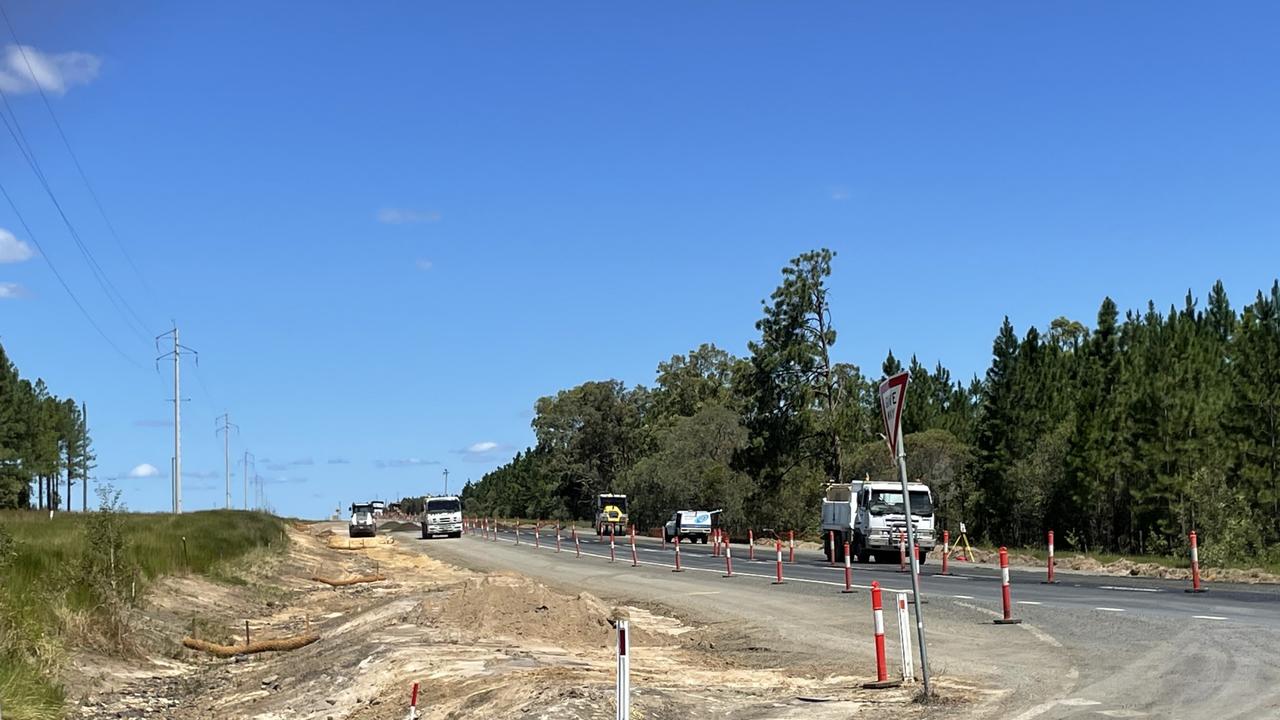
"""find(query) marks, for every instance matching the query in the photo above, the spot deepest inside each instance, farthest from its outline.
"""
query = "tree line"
(1122, 436)
(44, 443)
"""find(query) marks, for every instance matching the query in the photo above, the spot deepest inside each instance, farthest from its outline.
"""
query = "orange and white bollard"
(751, 545)
(946, 552)
(537, 533)
(612, 545)
(728, 558)
(635, 559)
(1049, 568)
(848, 571)
(1006, 598)
(622, 702)
(831, 543)
(678, 568)
(1195, 566)
(902, 552)
(557, 537)
(517, 527)
(715, 542)
(779, 581)
(882, 666)
(413, 703)
(577, 544)
(791, 539)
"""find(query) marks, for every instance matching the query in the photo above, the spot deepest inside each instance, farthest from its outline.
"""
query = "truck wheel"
(923, 556)
(884, 558)
(838, 551)
(704, 539)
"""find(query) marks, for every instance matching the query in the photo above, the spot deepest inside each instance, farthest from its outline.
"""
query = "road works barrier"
(1195, 566)
(779, 581)
(1007, 599)
(413, 703)
(904, 638)
(882, 667)
(848, 571)
(791, 538)
(728, 558)
(751, 545)
(623, 700)
(946, 552)
(678, 568)
(1049, 568)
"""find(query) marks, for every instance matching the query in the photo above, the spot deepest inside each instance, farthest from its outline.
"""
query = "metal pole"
(226, 453)
(915, 561)
(446, 481)
(84, 461)
(177, 423)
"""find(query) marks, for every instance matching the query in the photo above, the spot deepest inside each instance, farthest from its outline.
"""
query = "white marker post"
(893, 398)
(904, 639)
(624, 670)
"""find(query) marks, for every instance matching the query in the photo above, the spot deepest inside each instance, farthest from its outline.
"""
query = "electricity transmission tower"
(226, 428)
(176, 354)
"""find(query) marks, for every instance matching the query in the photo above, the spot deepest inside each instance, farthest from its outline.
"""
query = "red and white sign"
(893, 396)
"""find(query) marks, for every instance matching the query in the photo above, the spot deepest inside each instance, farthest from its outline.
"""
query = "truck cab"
(871, 517)
(441, 516)
(689, 526)
(362, 523)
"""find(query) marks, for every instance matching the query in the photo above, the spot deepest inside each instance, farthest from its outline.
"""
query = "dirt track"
(483, 644)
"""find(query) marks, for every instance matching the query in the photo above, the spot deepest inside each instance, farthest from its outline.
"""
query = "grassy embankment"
(74, 579)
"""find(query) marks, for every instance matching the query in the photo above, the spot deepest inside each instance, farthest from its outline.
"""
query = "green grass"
(43, 580)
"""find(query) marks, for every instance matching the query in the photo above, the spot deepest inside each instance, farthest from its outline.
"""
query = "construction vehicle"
(869, 515)
(442, 516)
(362, 523)
(611, 514)
(689, 525)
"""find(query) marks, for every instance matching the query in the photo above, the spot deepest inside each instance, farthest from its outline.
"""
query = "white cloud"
(145, 470)
(404, 462)
(424, 265)
(405, 216)
(13, 250)
(839, 193)
(482, 447)
(339, 461)
(25, 69)
(11, 291)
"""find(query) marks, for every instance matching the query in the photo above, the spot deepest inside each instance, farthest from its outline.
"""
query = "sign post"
(893, 397)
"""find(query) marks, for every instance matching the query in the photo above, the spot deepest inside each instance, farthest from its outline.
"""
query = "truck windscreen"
(439, 506)
(884, 502)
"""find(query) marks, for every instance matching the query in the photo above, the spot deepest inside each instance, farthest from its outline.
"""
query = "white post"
(904, 639)
(624, 671)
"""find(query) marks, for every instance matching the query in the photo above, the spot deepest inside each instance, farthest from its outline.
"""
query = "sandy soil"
(480, 645)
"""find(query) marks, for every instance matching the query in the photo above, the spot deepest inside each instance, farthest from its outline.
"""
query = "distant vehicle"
(689, 525)
(870, 517)
(379, 508)
(362, 522)
(611, 514)
(441, 516)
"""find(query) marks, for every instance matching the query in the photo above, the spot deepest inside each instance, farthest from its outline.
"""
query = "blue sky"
(389, 228)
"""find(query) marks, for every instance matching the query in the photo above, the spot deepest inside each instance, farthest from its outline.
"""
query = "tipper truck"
(870, 517)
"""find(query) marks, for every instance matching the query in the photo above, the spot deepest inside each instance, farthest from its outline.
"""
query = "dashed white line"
(1129, 589)
(963, 597)
(1107, 609)
(1027, 602)
(1208, 617)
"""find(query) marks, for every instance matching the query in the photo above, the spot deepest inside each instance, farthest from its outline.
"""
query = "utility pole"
(227, 425)
(176, 353)
(247, 455)
(446, 481)
(84, 460)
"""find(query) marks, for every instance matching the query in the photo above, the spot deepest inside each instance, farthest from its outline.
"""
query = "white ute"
(870, 517)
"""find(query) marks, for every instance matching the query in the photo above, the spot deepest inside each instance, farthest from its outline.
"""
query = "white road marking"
(706, 592)
(1106, 609)
(1129, 589)
(963, 597)
(1043, 708)
(1027, 602)
(1208, 617)
(1036, 632)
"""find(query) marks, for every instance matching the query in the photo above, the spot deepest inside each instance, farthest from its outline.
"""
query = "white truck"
(441, 515)
(689, 526)
(870, 517)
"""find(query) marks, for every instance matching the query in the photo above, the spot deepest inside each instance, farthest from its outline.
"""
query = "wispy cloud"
(290, 480)
(277, 467)
(423, 265)
(24, 69)
(483, 451)
(13, 250)
(201, 474)
(153, 423)
(12, 291)
(303, 461)
(404, 462)
(145, 470)
(406, 216)
(840, 193)
(339, 461)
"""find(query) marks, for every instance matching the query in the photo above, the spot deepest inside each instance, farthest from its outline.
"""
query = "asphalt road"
(1089, 647)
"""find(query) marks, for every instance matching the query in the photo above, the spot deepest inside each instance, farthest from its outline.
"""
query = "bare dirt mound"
(517, 607)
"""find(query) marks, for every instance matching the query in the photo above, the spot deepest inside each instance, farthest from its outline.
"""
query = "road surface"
(1089, 647)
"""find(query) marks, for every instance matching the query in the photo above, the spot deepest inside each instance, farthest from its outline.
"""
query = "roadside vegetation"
(1121, 436)
(75, 580)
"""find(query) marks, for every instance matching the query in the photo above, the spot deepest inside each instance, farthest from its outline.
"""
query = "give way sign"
(893, 396)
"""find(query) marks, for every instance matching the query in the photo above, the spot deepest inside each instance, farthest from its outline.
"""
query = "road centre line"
(1129, 589)
(1028, 602)
(1208, 617)
(1109, 609)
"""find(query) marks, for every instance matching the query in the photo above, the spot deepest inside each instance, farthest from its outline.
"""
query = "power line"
(117, 299)
(49, 261)
(74, 158)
